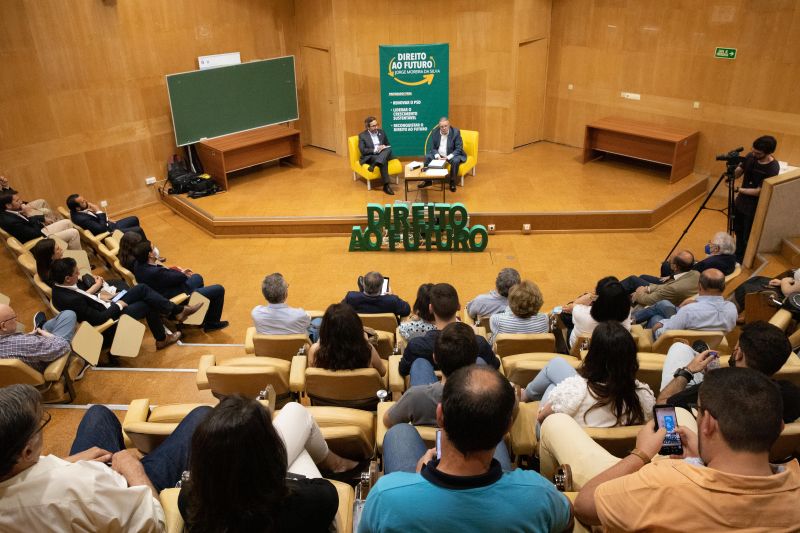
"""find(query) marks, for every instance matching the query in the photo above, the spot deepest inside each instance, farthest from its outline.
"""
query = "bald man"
(682, 284)
(708, 312)
(43, 345)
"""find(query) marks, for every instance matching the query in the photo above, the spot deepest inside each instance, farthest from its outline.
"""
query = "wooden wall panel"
(663, 51)
(83, 102)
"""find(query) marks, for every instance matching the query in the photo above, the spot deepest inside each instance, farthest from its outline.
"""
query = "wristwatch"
(684, 372)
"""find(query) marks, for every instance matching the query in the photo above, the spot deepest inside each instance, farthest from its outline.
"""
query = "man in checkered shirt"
(43, 345)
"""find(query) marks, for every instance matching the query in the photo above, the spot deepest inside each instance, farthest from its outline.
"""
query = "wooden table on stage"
(418, 176)
(248, 148)
(666, 145)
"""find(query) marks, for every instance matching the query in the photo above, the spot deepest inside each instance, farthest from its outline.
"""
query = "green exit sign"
(725, 53)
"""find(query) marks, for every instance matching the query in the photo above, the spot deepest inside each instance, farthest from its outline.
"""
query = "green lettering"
(455, 210)
(460, 238)
(474, 232)
(356, 237)
(375, 216)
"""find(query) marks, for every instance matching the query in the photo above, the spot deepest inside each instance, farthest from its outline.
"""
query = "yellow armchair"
(395, 167)
(470, 139)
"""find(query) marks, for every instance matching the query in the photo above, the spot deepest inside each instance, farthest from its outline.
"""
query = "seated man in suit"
(372, 301)
(101, 486)
(38, 206)
(682, 284)
(88, 216)
(446, 144)
(22, 222)
(139, 302)
(373, 144)
(170, 282)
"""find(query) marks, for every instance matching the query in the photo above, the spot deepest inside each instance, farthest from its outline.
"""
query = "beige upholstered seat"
(278, 346)
(346, 388)
(379, 321)
(54, 383)
(714, 339)
(247, 376)
(516, 343)
(522, 368)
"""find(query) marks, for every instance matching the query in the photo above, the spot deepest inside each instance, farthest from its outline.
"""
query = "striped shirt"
(37, 351)
(508, 322)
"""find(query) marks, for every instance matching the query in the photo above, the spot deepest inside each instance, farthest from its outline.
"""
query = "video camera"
(732, 157)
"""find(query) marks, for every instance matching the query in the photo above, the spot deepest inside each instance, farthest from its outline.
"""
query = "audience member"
(48, 341)
(603, 391)
(269, 470)
(127, 243)
(277, 318)
(723, 482)
(20, 220)
(170, 282)
(609, 302)
(342, 343)
(90, 217)
(139, 302)
(497, 300)
(681, 261)
(444, 306)
(786, 284)
(522, 314)
(421, 320)
(466, 489)
(38, 206)
(682, 285)
(371, 300)
(80, 492)
(708, 312)
(46, 251)
(761, 346)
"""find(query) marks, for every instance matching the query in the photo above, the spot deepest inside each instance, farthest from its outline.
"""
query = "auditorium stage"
(543, 184)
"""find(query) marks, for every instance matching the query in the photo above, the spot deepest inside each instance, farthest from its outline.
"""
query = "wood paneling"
(83, 103)
(664, 51)
(530, 91)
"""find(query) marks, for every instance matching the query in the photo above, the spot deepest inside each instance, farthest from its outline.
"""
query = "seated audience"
(127, 243)
(81, 492)
(170, 282)
(38, 206)
(609, 302)
(603, 391)
(786, 284)
(681, 285)
(277, 318)
(762, 347)
(22, 223)
(421, 320)
(90, 217)
(372, 301)
(522, 314)
(444, 306)
(48, 341)
(720, 254)
(708, 312)
(342, 343)
(46, 251)
(497, 300)
(249, 472)
(139, 302)
(465, 490)
(724, 480)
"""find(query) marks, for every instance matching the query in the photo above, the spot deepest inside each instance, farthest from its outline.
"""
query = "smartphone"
(714, 363)
(438, 444)
(119, 296)
(665, 416)
(385, 288)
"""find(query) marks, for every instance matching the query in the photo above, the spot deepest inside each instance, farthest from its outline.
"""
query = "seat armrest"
(249, 345)
(102, 236)
(54, 370)
(179, 299)
(105, 325)
(315, 313)
(383, 407)
(206, 362)
(138, 411)
(297, 373)
(523, 430)
(397, 385)
(169, 501)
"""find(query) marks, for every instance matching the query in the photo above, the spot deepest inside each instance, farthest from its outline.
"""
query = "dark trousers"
(215, 293)
(380, 160)
(631, 283)
(128, 224)
(742, 224)
(164, 465)
(144, 302)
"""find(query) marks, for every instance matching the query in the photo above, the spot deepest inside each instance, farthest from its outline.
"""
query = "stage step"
(774, 264)
(790, 250)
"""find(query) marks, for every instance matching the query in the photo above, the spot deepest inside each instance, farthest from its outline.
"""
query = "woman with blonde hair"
(522, 314)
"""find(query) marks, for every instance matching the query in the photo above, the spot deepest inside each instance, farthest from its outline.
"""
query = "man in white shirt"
(277, 318)
(446, 144)
(80, 492)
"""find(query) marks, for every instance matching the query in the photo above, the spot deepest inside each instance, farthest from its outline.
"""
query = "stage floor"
(542, 177)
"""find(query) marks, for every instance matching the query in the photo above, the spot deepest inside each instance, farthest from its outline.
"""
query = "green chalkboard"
(218, 101)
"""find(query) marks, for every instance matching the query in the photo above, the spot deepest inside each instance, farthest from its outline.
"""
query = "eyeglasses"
(3, 322)
(47, 417)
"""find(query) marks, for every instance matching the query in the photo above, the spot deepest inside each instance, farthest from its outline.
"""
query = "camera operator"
(756, 167)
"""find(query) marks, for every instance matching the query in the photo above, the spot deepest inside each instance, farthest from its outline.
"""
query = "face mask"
(708, 249)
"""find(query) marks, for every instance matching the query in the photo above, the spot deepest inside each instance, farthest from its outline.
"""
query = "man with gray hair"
(374, 300)
(81, 492)
(277, 318)
(494, 301)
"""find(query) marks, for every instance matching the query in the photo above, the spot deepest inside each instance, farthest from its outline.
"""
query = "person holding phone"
(376, 298)
(723, 481)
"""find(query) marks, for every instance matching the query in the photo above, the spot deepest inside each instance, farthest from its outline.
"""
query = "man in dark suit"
(446, 144)
(88, 216)
(20, 220)
(139, 302)
(170, 282)
(375, 150)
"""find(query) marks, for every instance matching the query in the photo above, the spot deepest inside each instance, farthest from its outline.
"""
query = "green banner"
(415, 87)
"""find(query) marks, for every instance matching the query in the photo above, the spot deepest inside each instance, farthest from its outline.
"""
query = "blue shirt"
(516, 501)
(707, 313)
(280, 319)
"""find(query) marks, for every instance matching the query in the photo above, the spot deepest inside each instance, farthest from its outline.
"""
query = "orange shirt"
(674, 495)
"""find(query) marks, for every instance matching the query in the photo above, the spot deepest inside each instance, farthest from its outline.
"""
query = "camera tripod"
(729, 210)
